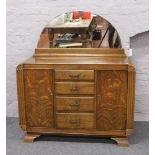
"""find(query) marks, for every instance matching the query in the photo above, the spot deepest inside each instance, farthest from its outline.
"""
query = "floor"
(55, 145)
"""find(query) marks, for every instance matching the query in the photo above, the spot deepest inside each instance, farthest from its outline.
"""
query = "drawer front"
(74, 75)
(75, 121)
(74, 104)
(74, 88)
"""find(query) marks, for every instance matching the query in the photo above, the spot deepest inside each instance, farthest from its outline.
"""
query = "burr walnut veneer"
(77, 92)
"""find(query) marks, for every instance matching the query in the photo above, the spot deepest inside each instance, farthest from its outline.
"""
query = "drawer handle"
(75, 122)
(75, 89)
(74, 76)
(75, 104)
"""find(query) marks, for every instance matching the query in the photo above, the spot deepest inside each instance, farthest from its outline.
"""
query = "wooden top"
(78, 56)
(78, 60)
(81, 52)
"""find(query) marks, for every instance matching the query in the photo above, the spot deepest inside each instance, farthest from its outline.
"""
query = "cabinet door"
(38, 97)
(111, 100)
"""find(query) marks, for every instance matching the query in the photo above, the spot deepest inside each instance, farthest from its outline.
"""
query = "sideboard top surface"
(79, 56)
(78, 60)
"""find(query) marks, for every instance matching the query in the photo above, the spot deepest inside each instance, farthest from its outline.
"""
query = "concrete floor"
(56, 145)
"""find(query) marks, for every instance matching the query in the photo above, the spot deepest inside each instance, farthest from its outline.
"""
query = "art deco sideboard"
(77, 91)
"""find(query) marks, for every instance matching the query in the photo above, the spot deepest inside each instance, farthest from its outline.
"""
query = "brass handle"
(75, 122)
(75, 104)
(75, 89)
(74, 76)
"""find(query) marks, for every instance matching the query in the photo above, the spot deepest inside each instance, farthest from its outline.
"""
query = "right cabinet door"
(111, 100)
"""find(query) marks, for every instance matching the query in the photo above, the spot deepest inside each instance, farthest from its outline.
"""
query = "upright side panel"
(38, 97)
(20, 91)
(112, 100)
(131, 99)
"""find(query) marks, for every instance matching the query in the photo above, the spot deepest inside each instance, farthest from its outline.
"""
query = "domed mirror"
(79, 29)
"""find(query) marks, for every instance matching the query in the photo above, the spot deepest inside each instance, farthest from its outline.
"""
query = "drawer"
(74, 88)
(74, 104)
(74, 75)
(75, 121)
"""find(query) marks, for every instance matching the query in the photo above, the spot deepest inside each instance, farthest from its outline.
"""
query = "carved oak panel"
(112, 100)
(38, 97)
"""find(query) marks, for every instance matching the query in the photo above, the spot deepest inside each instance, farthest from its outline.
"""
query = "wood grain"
(112, 100)
(74, 75)
(99, 101)
(74, 88)
(75, 121)
(38, 99)
(131, 98)
(74, 104)
(21, 98)
(40, 52)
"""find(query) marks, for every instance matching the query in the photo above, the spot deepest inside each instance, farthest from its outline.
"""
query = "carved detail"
(20, 67)
(111, 106)
(131, 68)
(29, 138)
(122, 141)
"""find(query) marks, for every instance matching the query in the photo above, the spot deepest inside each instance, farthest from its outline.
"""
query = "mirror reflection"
(79, 29)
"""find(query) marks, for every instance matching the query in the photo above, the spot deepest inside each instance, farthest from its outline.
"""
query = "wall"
(140, 46)
(26, 18)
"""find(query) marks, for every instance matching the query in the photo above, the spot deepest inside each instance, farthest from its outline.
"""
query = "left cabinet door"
(38, 85)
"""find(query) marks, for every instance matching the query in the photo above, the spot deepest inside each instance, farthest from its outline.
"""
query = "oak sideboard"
(77, 91)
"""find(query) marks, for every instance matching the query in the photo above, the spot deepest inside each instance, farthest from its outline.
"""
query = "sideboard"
(77, 92)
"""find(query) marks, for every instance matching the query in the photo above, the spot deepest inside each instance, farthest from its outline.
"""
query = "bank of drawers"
(74, 99)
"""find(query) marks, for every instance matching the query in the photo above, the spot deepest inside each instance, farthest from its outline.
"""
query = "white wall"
(140, 46)
(26, 18)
